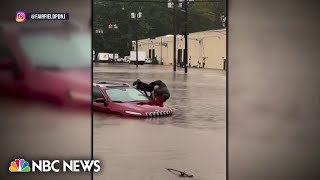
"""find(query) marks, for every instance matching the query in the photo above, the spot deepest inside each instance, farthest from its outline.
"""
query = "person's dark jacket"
(162, 91)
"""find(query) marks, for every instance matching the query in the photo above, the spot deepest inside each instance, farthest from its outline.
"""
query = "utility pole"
(113, 55)
(174, 37)
(137, 59)
(113, 60)
(136, 16)
(172, 4)
(113, 28)
(186, 36)
(161, 52)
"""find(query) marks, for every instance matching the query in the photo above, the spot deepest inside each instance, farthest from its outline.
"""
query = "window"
(58, 51)
(153, 53)
(96, 93)
(126, 95)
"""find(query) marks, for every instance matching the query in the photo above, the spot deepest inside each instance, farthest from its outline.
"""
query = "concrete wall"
(195, 52)
(215, 49)
(210, 45)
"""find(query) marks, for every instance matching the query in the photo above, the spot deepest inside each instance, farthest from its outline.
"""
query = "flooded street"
(193, 139)
(33, 131)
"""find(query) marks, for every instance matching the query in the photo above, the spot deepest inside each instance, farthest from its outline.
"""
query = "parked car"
(124, 100)
(126, 59)
(46, 61)
(119, 60)
(148, 61)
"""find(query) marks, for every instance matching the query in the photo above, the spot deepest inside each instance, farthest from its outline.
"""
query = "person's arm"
(146, 86)
(142, 86)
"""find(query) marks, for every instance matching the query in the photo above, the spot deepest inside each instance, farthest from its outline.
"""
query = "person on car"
(159, 90)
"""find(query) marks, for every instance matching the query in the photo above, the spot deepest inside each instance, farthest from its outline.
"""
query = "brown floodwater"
(193, 139)
(34, 131)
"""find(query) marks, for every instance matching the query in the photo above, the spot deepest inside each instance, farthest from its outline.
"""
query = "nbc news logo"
(21, 165)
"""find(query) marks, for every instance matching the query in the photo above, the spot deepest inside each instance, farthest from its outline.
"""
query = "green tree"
(157, 20)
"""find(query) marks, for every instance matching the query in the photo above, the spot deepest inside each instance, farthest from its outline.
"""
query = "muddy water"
(192, 140)
(34, 131)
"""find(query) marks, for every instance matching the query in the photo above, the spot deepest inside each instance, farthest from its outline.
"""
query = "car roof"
(111, 84)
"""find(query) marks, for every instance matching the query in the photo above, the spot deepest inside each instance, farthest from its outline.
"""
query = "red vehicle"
(46, 61)
(122, 99)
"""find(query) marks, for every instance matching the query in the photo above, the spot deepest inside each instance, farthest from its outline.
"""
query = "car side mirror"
(100, 100)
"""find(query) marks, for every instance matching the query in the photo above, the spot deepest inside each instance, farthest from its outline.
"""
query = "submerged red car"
(49, 62)
(125, 100)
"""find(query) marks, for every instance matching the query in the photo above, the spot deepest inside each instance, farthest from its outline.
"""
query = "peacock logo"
(19, 165)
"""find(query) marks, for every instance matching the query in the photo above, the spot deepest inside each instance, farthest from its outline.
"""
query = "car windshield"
(126, 95)
(49, 51)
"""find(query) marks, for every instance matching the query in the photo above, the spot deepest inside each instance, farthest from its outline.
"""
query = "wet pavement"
(193, 139)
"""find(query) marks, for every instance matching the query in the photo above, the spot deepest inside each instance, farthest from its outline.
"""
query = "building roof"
(202, 34)
(197, 35)
(209, 31)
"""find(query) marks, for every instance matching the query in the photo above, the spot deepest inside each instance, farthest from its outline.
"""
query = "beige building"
(209, 45)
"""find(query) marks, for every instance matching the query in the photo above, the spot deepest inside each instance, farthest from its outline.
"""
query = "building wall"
(210, 45)
(167, 47)
(194, 52)
(168, 60)
(215, 49)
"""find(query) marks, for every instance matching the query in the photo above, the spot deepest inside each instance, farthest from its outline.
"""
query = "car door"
(96, 93)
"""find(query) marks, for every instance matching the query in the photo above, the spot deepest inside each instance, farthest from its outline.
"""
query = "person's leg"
(159, 100)
(165, 97)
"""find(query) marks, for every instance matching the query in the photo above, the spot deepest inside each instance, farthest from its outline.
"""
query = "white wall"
(209, 44)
